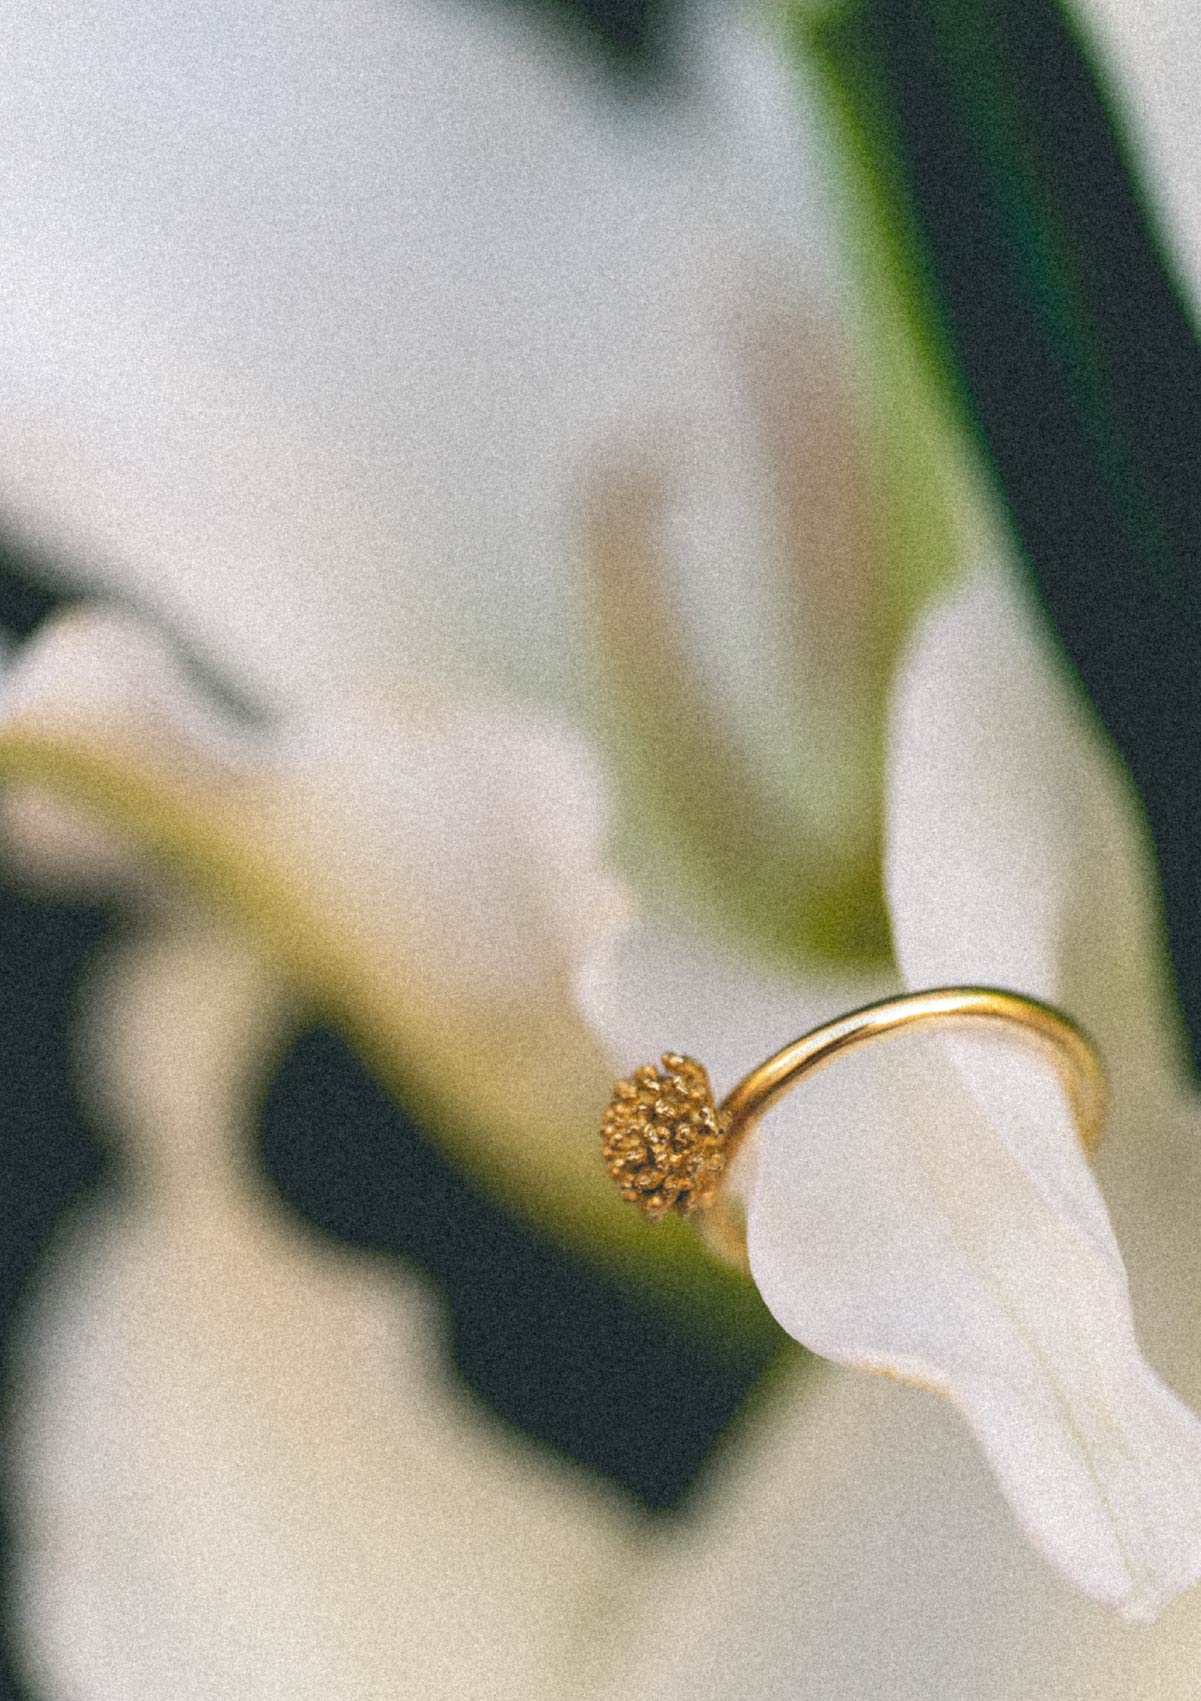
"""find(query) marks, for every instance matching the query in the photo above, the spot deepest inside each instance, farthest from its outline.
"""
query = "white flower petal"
(892, 1228)
(353, 449)
(1016, 856)
(993, 813)
(853, 1546)
(746, 696)
(429, 879)
(100, 674)
(243, 1468)
(861, 1505)
(307, 345)
(1008, 831)
(1015, 850)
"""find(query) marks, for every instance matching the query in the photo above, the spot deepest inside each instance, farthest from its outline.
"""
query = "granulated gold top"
(663, 1139)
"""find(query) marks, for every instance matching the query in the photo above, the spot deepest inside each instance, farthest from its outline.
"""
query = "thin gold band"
(1072, 1052)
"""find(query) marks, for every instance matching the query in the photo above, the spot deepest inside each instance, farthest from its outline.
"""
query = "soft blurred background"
(553, 1344)
(1012, 241)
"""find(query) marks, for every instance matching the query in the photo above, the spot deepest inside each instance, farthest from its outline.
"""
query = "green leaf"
(1033, 278)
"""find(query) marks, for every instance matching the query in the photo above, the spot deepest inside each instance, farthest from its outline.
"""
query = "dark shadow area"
(25, 595)
(550, 1344)
(49, 1159)
(634, 36)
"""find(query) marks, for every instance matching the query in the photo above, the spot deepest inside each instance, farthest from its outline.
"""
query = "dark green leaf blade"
(1046, 294)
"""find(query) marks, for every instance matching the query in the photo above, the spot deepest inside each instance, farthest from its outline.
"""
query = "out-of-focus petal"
(242, 1466)
(429, 880)
(312, 351)
(103, 676)
(1150, 50)
(307, 345)
(851, 1545)
(743, 689)
(956, 1237)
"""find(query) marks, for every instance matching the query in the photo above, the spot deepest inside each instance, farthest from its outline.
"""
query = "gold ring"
(667, 1144)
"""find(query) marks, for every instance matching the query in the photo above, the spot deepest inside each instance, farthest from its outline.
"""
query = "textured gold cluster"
(664, 1142)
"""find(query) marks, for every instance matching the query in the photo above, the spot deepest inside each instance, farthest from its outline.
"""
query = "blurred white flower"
(370, 395)
(318, 361)
(243, 1464)
(316, 364)
(929, 1213)
(310, 347)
